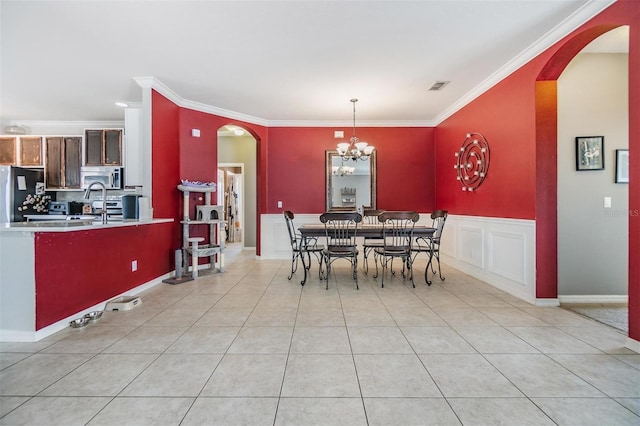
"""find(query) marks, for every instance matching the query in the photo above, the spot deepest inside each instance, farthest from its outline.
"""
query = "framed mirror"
(350, 184)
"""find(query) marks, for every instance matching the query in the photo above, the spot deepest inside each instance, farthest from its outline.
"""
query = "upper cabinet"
(30, 151)
(23, 151)
(63, 156)
(8, 145)
(103, 147)
(63, 161)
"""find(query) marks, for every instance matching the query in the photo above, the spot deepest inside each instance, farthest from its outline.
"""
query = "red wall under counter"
(76, 270)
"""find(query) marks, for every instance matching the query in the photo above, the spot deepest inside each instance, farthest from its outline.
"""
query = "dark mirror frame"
(329, 155)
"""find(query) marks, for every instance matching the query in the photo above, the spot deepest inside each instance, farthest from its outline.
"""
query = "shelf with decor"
(348, 197)
(207, 214)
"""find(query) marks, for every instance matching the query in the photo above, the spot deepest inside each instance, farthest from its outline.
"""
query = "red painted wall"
(165, 158)
(547, 194)
(76, 270)
(177, 155)
(504, 115)
(296, 167)
(405, 176)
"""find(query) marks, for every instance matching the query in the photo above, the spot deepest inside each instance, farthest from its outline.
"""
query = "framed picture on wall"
(622, 166)
(590, 153)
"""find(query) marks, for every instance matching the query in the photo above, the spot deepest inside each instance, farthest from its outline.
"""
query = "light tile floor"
(251, 347)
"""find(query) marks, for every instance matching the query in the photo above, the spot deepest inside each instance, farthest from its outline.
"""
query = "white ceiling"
(276, 61)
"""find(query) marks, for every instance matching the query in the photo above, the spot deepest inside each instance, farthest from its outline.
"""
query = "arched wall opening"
(593, 93)
(238, 147)
(546, 122)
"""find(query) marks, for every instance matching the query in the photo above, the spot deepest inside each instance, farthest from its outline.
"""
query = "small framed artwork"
(590, 153)
(622, 166)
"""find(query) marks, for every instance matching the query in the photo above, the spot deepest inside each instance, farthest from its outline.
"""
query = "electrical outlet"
(607, 202)
(279, 204)
(134, 265)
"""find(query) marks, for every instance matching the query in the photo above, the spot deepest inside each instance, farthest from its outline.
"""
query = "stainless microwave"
(111, 177)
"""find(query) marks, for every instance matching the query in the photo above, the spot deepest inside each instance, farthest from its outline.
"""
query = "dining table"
(314, 231)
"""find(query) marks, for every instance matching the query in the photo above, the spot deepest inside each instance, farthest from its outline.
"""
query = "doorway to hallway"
(231, 180)
(237, 159)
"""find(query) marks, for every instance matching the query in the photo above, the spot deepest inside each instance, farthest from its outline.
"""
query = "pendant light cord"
(354, 118)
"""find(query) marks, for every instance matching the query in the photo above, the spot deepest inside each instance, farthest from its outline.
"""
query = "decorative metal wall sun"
(473, 161)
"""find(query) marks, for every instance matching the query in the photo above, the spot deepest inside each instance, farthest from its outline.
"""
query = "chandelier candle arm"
(355, 149)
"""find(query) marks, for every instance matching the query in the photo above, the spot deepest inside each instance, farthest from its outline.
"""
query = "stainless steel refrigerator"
(22, 192)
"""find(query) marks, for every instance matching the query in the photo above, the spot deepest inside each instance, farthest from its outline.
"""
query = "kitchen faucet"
(87, 192)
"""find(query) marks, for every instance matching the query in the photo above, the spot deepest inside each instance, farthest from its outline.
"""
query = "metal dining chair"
(340, 230)
(370, 217)
(301, 247)
(431, 245)
(397, 235)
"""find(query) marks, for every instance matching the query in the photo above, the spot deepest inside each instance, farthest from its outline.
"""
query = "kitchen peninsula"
(53, 272)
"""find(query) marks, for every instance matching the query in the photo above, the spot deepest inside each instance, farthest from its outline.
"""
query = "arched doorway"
(593, 100)
(546, 163)
(237, 161)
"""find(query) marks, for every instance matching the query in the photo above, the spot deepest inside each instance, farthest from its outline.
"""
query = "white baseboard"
(601, 299)
(545, 303)
(632, 344)
(34, 336)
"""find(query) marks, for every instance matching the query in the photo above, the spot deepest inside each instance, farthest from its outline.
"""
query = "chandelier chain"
(354, 149)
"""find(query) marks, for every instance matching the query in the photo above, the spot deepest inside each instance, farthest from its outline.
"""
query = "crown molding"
(155, 84)
(150, 82)
(224, 113)
(388, 123)
(564, 28)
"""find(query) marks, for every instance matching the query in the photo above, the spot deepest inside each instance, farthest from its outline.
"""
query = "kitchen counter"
(50, 217)
(74, 225)
(52, 272)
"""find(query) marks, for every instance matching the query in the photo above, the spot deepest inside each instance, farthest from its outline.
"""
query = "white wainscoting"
(498, 251)
(274, 237)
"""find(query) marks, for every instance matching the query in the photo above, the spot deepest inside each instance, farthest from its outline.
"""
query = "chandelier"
(354, 149)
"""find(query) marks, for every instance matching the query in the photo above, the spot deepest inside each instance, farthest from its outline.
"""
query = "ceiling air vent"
(438, 85)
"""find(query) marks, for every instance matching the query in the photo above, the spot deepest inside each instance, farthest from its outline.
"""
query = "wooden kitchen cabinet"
(21, 151)
(8, 150)
(103, 147)
(30, 148)
(63, 161)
